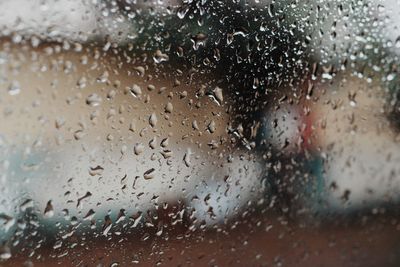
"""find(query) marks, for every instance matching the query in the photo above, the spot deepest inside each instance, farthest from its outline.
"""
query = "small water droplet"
(140, 70)
(182, 11)
(89, 215)
(93, 100)
(195, 125)
(5, 252)
(160, 57)
(6, 221)
(138, 149)
(211, 127)
(136, 90)
(218, 96)
(149, 174)
(14, 88)
(132, 126)
(98, 170)
(164, 143)
(186, 158)
(153, 143)
(166, 153)
(169, 108)
(49, 210)
(87, 195)
(58, 244)
(198, 40)
(82, 83)
(121, 216)
(153, 120)
(26, 204)
(107, 225)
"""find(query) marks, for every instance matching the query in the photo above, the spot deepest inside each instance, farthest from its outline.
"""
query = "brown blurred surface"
(376, 243)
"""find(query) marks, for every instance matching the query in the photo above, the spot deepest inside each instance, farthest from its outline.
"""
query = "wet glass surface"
(199, 133)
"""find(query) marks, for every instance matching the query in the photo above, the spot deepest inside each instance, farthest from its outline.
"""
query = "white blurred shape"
(63, 18)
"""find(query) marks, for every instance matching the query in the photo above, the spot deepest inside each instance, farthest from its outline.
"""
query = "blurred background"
(193, 133)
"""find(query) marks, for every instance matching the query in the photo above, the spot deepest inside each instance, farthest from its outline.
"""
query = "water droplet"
(49, 210)
(138, 149)
(153, 120)
(211, 127)
(140, 70)
(82, 83)
(14, 88)
(79, 134)
(182, 11)
(164, 143)
(26, 204)
(5, 252)
(169, 108)
(93, 100)
(58, 244)
(107, 225)
(151, 87)
(132, 126)
(89, 215)
(198, 40)
(186, 158)
(121, 216)
(160, 57)
(136, 90)
(166, 153)
(98, 170)
(218, 96)
(59, 122)
(397, 42)
(7, 221)
(195, 125)
(153, 143)
(87, 195)
(149, 174)
(103, 77)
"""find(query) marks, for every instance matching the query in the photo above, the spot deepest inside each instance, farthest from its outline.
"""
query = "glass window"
(199, 133)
